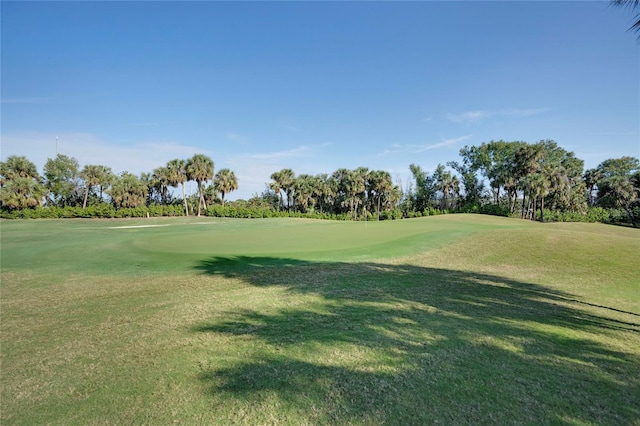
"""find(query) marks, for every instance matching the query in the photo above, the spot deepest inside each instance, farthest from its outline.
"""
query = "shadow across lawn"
(402, 344)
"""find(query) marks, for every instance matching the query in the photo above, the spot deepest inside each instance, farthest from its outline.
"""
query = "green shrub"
(495, 210)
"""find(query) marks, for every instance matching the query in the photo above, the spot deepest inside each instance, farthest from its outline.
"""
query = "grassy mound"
(454, 319)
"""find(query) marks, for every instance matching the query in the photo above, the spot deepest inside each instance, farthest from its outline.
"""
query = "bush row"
(595, 214)
(96, 211)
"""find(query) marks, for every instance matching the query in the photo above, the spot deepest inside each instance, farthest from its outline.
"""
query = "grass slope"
(453, 319)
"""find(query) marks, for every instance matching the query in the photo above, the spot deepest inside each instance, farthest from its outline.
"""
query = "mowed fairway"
(460, 319)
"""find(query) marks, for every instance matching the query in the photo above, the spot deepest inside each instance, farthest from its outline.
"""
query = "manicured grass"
(452, 319)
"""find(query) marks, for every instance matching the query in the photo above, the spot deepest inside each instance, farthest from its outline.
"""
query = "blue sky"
(260, 86)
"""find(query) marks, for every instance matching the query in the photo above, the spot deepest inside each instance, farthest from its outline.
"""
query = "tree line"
(522, 179)
(539, 181)
(64, 183)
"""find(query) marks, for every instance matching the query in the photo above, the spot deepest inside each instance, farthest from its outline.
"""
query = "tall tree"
(225, 181)
(563, 170)
(447, 183)
(177, 175)
(200, 169)
(61, 179)
(473, 187)
(161, 183)
(276, 186)
(18, 166)
(128, 190)
(425, 191)
(527, 159)
(284, 180)
(619, 185)
(20, 183)
(94, 176)
(591, 179)
(22, 193)
(380, 185)
(539, 184)
(305, 192)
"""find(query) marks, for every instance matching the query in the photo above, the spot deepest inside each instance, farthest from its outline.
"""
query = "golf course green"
(455, 319)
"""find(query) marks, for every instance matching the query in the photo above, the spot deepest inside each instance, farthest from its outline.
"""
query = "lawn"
(457, 319)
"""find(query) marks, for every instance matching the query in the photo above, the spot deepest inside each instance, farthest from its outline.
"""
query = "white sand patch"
(136, 226)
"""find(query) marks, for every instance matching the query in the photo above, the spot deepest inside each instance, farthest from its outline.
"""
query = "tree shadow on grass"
(404, 344)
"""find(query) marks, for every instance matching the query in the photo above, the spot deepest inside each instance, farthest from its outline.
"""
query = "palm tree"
(161, 183)
(304, 192)
(18, 166)
(620, 191)
(447, 183)
(591, 178)
(539, 187)
(200, 169)
(633, 5)
(177, 175)
(355, 187)
(128, 190)
(527, 159)
(325, 191)
(284, 180)
(225, 181)
(93, 175)
(380, 184)
(22, 192)
(276, 186)
(21, 184)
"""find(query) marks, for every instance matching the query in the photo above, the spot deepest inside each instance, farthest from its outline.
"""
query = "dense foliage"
(540, 181)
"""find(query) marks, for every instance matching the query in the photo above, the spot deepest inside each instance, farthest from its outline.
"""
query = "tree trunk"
(184, 200)
(531, 208)
(631, 218)
(86, 195)
(542, 210)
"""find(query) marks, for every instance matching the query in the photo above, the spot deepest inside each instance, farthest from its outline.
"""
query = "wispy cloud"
(468, 117)
(418, 148)
(528, 112)
(445, 142)
(479, 116)
(254, 169)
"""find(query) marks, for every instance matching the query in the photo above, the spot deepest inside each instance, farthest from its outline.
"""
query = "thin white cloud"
(468, 117)
(517, 112)
(479, 116)
(418, 148)
(254, 170)
(445, 142)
